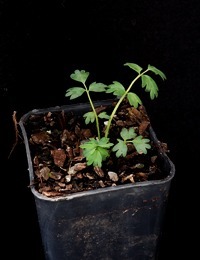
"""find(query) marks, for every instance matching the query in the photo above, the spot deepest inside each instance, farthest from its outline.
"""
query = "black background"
(43, 42)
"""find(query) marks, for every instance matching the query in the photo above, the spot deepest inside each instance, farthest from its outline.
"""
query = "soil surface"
(59, 165)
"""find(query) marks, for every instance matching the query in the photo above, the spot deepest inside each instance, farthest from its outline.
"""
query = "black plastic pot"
(122, 222)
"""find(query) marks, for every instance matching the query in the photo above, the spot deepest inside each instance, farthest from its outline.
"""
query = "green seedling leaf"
(157, 72)
(104, 152)
(133, 99)
(103, 115)
(74, 92)
(120, 148)
(116, 88)
(95, 159)
(96, 150)
(80, 75)
(89, 117)
(97, 87)
(128, 134)
(141, 144)
(134, 67)
(104, 142)
(150, 86)
(89, 145)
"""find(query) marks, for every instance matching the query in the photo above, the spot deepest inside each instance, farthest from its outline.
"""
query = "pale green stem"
(93, 108)
(120, 101)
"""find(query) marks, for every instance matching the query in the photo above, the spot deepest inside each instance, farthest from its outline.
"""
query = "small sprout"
(97, 150)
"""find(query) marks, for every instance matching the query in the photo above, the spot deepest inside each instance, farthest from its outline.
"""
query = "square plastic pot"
(122, 222)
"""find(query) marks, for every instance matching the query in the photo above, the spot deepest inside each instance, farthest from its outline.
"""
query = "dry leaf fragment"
(89, 176)
(134, 114)
(68, 187)
(86, 133)
(113, 176)
(61, 184)
(101, 184)
(59, 157)
(67, 136)
(153, 158)
(44, 172)
(130, 177)
(68, 177)
(77, 167)
(99, 171)
(55, 175)
(142, 175)
(51, 193)
(143, 126)
(40, 138)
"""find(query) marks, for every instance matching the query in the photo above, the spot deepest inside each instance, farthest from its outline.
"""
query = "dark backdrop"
(42, 42)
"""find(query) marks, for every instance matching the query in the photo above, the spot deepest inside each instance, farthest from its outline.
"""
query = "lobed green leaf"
(89, 117)
(104, 142)
(128, 134)
(96, 150)
(80, 75)
(120, 148)
(74, 92)
(134, 66)
(116, 88)
(141, 144)
(133, 99)
(90, 144)
(157, 71)
(150, 86)
(103, 115)
(104, 153)
(97, 87)
(94, 159)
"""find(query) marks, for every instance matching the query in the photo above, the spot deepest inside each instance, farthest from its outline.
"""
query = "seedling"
(97, 150)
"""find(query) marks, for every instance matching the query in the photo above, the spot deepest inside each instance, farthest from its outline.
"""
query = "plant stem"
(95, 113)
(120, 101)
